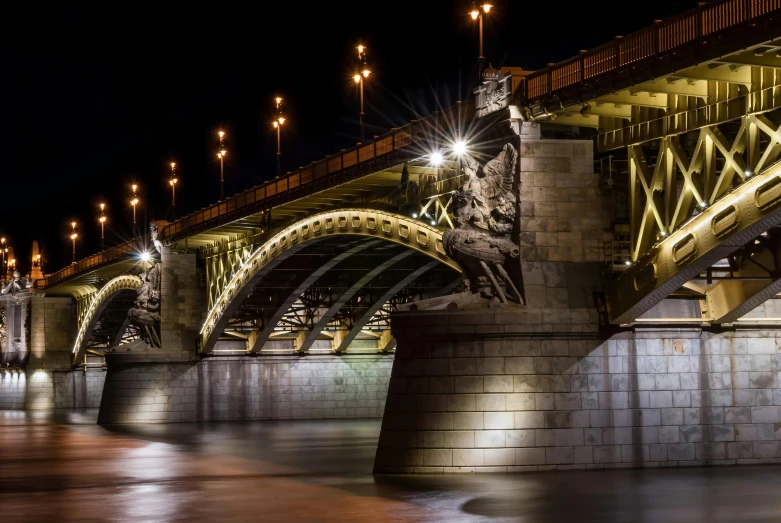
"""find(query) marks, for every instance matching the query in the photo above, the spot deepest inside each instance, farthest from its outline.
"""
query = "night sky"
(99, 96)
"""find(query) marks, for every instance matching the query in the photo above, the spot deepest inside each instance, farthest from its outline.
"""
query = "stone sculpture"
(17, 284)
(484, 210)
(145, 313)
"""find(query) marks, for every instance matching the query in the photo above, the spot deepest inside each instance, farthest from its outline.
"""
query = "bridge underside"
(333, 295)
(689, 154)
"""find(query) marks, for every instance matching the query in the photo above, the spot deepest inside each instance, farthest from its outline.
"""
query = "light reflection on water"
(63, 467)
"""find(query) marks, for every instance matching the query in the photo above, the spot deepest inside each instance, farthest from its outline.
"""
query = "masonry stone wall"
(36, 389)
(245, 388)
(498, 400)
(182, 302)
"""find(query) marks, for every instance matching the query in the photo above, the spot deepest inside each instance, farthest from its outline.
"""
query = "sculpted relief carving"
(484, 211)
(145, 313)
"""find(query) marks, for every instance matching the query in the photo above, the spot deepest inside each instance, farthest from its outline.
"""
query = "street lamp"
(221, 155)
(74, 235)
(102, 221)
(134, 201)
(280, 119)
(3, 250)
(477, 14)
(172, 183)
(359, 77)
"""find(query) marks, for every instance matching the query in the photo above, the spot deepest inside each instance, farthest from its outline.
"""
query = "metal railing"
(645, 45)
(399, 138)
(111, 255)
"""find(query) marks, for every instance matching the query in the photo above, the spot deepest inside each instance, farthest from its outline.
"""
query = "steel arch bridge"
(302, 272)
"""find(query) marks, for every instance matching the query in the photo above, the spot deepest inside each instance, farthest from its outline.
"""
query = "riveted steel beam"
(305, 341)
(718, 231)
(377, 305)
(257, 340)
(730, 299)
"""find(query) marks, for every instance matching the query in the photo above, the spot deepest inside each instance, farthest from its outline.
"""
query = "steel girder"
(259, 337)
(391, 227)
(307, 338)
(97, 307)
(359, 324)
(717, 231)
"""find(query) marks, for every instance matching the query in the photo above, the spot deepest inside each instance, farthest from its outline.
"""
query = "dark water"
(65, 468)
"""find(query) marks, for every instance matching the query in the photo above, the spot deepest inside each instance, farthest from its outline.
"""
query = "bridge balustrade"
(125, 250)
(395, 140)
(645, 45)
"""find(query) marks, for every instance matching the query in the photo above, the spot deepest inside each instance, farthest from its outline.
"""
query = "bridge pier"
(488, 391)
(48, 380)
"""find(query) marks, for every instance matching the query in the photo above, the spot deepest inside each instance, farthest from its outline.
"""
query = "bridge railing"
(111, 255)
(396, 139)
(645, 45)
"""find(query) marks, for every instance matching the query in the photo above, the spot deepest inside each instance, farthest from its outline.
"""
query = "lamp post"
(221, 155)
(102, 221)
(172, 183)
(74, 235)
(359, 78)
(134, 202)
(280, 119)
(3, 250)
(477, 14)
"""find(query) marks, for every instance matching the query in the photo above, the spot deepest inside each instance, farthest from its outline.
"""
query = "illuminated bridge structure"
(683, 124)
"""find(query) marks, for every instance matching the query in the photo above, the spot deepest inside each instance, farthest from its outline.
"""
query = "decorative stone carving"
(484, 210)
(17, 284)
(145, 313)
(15, 297)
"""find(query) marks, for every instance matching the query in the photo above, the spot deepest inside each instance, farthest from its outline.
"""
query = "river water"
(64, 467)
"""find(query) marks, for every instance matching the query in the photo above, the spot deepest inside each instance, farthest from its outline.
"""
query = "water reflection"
(63, 467)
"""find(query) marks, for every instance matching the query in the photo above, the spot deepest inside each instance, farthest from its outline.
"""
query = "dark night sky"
(98, 96)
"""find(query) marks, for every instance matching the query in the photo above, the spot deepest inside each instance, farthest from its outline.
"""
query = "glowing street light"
(477, 14)
(172, 182)
(221, 155)
(436, 159)
(74, 235)
(3, 250)
(459, 148)
(102, 221)
(280, 119)
(359, 78)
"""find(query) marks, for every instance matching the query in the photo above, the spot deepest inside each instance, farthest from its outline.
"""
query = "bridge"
(640, 193)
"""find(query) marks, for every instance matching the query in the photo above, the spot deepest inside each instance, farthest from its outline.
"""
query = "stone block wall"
(563, 216)
(181, 302)
(494, 399)
(53, 329)
(244, 388)
(13, 387)
(44, 389)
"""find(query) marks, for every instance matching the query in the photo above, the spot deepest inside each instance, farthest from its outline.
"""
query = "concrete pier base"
(490, 391)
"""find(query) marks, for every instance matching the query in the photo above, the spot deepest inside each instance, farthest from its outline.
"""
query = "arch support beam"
(342, 301)
(391, 227)
(270, 323)
(99, 303)
(377, 305)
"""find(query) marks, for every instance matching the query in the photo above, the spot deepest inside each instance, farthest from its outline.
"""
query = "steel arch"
(98, 304)
(360, 222)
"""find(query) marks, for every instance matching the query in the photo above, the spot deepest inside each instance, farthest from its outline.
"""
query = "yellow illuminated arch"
(360, 222)
(104, 295)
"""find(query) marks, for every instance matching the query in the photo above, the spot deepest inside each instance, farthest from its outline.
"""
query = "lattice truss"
(685, 174)
(220, 268)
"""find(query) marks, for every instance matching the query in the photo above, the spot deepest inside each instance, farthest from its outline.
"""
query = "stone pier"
(487, 391)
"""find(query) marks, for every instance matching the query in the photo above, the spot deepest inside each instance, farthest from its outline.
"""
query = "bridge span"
(641, 192)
